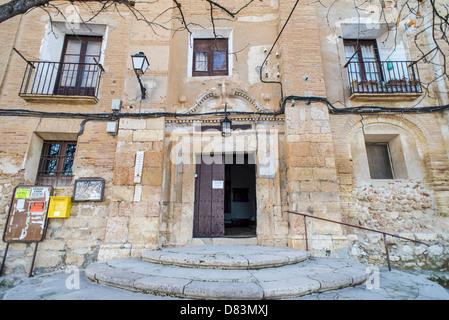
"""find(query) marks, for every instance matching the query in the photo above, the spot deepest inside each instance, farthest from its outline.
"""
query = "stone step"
(225, 257)
(275, 282)
(245, 241)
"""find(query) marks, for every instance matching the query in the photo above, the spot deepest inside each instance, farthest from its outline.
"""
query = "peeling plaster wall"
(249, 42)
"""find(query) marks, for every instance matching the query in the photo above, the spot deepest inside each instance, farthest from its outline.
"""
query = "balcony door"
(364, 60)
(78, 70)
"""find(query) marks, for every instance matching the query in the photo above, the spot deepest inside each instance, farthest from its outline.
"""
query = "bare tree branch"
(435, 12)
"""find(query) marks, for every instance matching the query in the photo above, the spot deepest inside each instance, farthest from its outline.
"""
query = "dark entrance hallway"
(240, 197)
(225, 197)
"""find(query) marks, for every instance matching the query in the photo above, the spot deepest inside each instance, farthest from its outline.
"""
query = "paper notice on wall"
(20, 204)
(27, 217)
(23, 193)
(38, 193)
(37, 206)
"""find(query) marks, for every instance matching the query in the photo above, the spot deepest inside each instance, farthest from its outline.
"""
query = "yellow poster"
(23, 193)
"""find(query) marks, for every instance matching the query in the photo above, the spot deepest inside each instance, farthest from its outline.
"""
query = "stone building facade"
(291, 147)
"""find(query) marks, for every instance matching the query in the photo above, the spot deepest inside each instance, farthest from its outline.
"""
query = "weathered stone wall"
(417, 200)
(75, 240)
(69, 241)
(370, 249)
(396, 206)
(250, 35)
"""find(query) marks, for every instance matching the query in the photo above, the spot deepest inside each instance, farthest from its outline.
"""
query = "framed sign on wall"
(89, 189)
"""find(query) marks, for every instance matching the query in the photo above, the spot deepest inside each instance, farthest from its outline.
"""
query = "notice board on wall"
(27, 217)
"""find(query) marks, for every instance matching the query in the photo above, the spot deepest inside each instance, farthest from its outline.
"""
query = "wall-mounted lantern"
(140, 65)
(226, 124)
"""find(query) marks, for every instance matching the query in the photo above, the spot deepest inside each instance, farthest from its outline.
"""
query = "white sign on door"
(217, 184)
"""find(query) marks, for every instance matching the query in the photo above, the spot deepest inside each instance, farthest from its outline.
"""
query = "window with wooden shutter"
(379, 161)
(210, 57)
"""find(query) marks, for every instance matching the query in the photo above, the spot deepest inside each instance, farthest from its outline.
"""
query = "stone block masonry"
(399, 206)
(312, 189)
(135, 207)
(311, 173)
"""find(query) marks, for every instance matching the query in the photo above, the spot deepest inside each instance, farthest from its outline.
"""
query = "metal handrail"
(354, 226)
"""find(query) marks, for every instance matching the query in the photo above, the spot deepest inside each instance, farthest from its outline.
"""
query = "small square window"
(379, 161)
(56, 163)
(210, 57)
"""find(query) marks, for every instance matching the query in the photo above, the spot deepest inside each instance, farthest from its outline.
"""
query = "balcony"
(61, 82)
(383, 80)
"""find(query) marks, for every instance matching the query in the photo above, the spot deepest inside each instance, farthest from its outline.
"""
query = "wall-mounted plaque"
(88, 189)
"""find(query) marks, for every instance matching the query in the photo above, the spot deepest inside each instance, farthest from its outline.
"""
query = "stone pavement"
(305, 279)
(394, 285)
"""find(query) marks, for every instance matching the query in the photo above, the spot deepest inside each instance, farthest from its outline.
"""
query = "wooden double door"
(208, 218)
(78, 70)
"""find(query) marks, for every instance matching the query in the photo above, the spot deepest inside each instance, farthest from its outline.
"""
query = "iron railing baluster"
(72, 79)
(383, 77)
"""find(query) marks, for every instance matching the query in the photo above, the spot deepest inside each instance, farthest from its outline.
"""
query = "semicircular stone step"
(225, 256)
(276, 282)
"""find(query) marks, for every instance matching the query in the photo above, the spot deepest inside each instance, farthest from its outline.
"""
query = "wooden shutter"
(379, 161)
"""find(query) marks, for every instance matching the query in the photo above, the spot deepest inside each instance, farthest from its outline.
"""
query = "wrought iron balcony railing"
(61, 79)
(374, 77)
